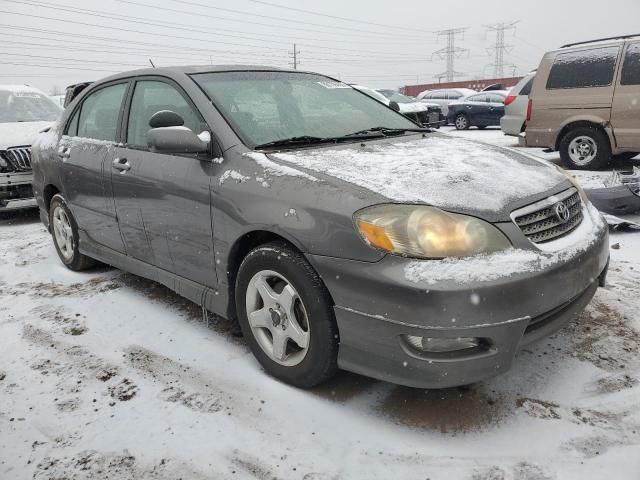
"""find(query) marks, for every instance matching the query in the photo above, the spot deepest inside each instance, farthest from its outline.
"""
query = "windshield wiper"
(311, 140)
(387, 131)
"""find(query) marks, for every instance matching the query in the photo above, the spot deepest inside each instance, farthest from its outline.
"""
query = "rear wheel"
(462, 122)
(585, 148)
(64, 231)
(286, 314)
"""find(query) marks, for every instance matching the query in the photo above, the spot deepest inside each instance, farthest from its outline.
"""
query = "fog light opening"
(444, 344)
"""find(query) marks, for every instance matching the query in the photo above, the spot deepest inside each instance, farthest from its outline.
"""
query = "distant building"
(414, 90)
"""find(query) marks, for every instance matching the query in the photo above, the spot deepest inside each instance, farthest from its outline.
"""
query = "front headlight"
(427, 232)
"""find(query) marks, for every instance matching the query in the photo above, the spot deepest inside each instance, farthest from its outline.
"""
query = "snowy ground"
(104, 375)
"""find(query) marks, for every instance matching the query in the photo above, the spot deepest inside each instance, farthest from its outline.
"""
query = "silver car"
(515, 106)
(444, 97)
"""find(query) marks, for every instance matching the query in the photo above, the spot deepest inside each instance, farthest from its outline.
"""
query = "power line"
(335, 17)
(164, 25)
(500, 47)
(377, 36)
(450, 52)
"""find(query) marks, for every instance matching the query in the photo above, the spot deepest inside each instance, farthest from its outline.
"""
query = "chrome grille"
(540, 223)
(20, 158)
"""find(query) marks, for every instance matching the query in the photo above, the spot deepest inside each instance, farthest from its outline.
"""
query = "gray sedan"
(334, 230)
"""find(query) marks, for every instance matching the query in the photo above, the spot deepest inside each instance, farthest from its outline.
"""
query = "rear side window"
(477, 98)
(454, 95)
(493, 98)
(100, 112)
(150, 97)
(526, 89)
(631, 67)
(583, 69)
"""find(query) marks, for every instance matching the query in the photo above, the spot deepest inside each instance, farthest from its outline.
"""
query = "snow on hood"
(413, 107)
(17, 134)
(437, 170)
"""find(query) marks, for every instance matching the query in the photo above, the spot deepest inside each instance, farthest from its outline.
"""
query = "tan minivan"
(585, 102)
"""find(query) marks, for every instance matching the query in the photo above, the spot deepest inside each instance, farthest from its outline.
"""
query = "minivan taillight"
(509, 99)
(529, 109)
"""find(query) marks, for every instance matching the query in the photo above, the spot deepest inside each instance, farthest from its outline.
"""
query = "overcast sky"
(386, 46)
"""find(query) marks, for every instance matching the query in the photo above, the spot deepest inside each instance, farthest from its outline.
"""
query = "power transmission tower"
(500, 48)
(294, 56)
(450, 53)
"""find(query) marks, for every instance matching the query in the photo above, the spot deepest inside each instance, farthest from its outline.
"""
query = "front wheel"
(462, 122)
(286, 314)
(585, 148)
(64, 231)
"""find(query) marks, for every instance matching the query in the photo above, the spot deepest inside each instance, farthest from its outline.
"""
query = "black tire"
(602, 157)
(77, 260)
(625, 156)
(319, 363)
(481, 127)
(462, 122)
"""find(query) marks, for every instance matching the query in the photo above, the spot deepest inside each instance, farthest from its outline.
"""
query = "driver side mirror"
(169, 135)
(394, 105)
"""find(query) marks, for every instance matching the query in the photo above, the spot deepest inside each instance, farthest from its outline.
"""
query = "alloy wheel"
(278, 318)
(63, 233)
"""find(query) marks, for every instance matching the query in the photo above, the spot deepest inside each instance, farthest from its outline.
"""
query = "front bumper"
(16, 192)
(377, 306)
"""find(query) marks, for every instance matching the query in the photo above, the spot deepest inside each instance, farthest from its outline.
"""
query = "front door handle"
(122, 165)
(64, 153)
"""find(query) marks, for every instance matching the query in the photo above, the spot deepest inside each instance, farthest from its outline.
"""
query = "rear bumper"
(377, 307)
(617, 200)
(511, 125)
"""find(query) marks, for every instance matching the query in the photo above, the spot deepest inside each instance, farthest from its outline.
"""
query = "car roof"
(195, 69)
(19, 89)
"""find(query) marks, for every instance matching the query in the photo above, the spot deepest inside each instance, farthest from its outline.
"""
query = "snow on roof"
(20, 89)
(436, 170)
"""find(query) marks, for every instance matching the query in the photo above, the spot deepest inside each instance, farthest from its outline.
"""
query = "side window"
(72, 129)
(428, 96)
(151, 96)
(454, 95)
(493, 98)
(99, 113)
(526, 89)
(440, 95)
(477, 98)
(631, 67)
(587, 68)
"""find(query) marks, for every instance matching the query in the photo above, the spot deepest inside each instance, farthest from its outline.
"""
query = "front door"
(163, 200)
(625, 116)
(86, 149)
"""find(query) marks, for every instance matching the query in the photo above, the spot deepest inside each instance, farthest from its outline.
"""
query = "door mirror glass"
(177, 139)
(394, 105)
(165, 118)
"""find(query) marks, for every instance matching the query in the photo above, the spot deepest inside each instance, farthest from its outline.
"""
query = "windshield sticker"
(331, 84)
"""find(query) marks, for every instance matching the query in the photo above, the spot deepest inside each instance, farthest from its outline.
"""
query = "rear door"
(625, 117)
(86, 150)
(163, 200)
(495, 110)
(475, 107)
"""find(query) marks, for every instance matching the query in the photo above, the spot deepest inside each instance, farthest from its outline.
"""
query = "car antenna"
(151, 62)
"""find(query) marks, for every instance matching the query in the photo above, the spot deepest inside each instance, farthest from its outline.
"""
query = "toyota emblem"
(562, 212)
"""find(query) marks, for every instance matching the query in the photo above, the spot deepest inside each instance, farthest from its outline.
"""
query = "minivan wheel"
(64, 231)
(462, 122)
(585, 148)
(286, 314)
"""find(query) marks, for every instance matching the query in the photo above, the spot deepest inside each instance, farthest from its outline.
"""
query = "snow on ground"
(104, 375)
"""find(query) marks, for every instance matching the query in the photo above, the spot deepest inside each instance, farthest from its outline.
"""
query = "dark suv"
(336, 231)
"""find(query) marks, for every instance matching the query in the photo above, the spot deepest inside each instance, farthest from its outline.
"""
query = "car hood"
(446, 172)
(20, 134)
(413, 107)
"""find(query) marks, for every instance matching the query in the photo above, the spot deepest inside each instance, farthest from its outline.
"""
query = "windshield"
(27, 106)
(271, 106)
(397, 97)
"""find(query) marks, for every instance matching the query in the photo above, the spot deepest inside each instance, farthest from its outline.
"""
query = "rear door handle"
(64, 152)
(122, 165)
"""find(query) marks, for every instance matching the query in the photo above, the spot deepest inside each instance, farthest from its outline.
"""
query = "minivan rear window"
(583, 69)
(631, 67)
